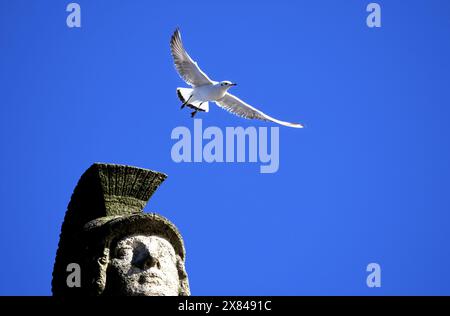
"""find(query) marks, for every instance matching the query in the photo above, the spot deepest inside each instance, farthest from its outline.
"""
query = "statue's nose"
(146, 261)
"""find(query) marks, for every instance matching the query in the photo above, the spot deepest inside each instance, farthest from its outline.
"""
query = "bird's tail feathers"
(185, 93)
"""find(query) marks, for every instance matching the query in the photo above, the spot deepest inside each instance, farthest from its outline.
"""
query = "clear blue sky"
(366, 181)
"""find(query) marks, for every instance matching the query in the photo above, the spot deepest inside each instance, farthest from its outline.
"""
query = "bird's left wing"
(186, 67)
(238, 107)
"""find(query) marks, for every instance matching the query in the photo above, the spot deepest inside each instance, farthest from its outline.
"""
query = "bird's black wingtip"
(176, 36)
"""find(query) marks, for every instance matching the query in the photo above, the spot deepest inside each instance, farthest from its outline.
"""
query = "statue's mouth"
(149, 277)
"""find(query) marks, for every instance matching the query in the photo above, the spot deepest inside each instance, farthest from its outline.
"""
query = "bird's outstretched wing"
(187, 68)
(238, 107)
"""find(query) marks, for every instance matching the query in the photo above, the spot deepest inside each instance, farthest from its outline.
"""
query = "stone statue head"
(123, 251)
(144, 265)
(140, 254)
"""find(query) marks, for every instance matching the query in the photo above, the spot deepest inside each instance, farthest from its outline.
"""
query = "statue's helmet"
(106, 206)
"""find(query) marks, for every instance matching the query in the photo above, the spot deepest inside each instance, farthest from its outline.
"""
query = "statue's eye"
(121, 253)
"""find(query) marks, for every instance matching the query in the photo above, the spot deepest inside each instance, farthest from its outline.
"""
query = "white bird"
(205, 90)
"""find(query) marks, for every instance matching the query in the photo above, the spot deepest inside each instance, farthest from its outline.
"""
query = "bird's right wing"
(188, 69)
(238, 107)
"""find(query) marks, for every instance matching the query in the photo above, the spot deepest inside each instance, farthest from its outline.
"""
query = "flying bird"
(205, 90)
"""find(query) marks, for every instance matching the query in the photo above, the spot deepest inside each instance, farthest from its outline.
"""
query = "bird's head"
(227, 84)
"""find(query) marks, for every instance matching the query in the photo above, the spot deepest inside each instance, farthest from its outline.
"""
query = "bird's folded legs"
(196, 110)
(186, 102)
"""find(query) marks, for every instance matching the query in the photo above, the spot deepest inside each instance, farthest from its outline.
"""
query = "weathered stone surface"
(106, 210)
(143, 265)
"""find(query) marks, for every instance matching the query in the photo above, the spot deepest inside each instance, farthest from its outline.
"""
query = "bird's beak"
(234, 84)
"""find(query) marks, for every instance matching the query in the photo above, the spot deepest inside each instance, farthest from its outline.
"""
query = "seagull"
(205, 90)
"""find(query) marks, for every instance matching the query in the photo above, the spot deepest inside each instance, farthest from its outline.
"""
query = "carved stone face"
(143, 265)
